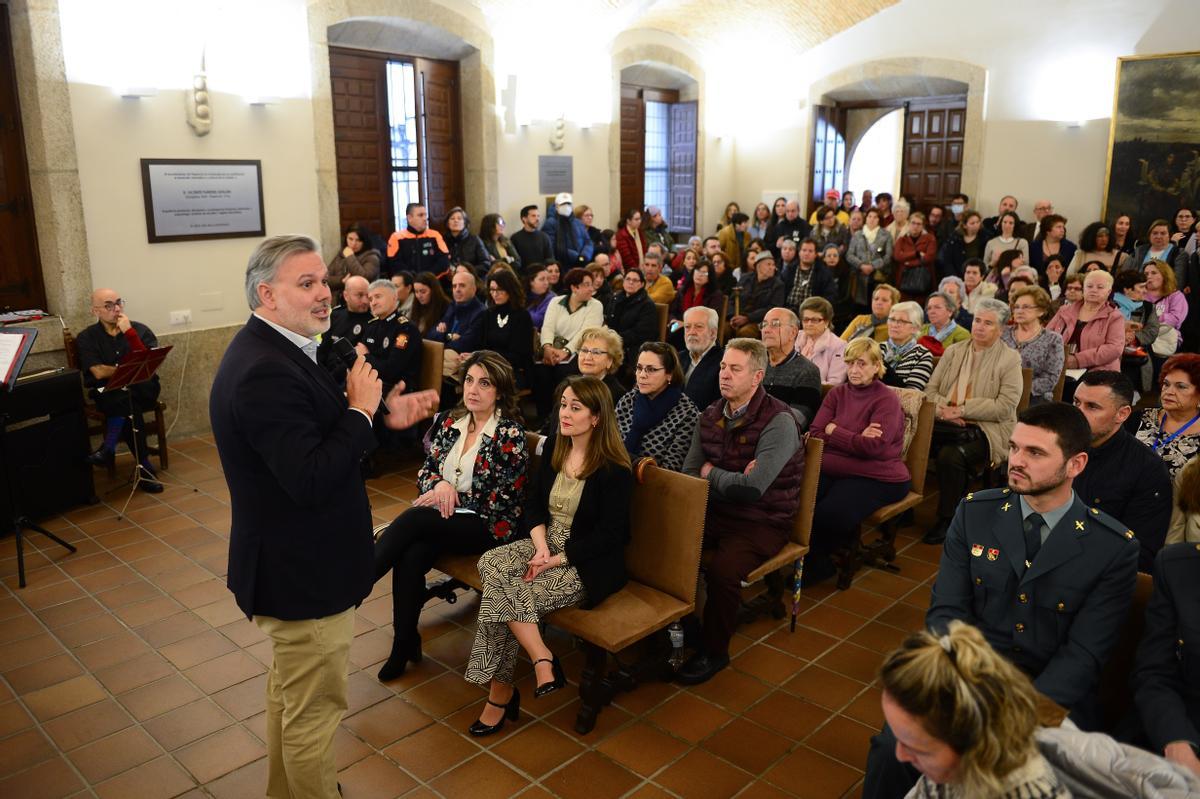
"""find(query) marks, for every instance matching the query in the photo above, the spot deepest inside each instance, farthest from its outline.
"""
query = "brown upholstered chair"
(667, 515)
(919, 419)
(1116, 699)
(95, 419)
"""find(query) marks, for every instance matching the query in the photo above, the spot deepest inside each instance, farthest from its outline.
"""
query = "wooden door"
(633, 151)
(360, 134)
(683, 167)
(933, 150)
(441, 138)
(21, 284)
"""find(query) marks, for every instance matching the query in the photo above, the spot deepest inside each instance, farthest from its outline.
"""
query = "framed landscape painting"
(1154, 141)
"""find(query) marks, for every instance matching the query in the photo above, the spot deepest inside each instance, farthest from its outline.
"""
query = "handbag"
(1167, 342)
(916, 280)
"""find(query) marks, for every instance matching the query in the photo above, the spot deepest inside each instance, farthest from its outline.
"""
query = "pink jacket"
(1102, 339)
(829, 357)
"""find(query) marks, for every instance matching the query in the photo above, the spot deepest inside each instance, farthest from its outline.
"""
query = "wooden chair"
(826, 388)
(797, 547)
(1026, 388)
(95, 418)
(667, 515)
(663, 316)
(1116, 699)
(722, 324)
(916, 460)
(431, 367)
(1062, 377)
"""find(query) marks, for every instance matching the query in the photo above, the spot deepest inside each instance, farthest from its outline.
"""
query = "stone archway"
(459, 38)
(637, 48)
(892, 78)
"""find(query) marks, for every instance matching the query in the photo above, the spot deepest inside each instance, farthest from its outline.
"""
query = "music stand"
(9, 370)
(134, 368)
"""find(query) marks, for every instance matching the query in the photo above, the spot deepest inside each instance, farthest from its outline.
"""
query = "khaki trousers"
(306, 697)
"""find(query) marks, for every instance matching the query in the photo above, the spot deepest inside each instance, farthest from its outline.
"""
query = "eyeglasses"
(899, 320)
(111, 306)
(590, 351)
(1024, 307)
(776, 323)
(648, 370)
(496, 290)
(812, 320)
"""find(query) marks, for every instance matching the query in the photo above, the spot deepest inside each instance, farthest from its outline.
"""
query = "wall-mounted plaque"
(191, 200)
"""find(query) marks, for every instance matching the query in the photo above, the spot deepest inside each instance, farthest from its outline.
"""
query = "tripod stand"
(19, 523)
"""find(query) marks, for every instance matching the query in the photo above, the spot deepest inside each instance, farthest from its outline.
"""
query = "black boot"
(403, 653)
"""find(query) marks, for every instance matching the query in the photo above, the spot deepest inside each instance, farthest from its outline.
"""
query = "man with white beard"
(701, 356)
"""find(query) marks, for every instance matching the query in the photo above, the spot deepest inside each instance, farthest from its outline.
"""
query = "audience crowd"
(1064, 373)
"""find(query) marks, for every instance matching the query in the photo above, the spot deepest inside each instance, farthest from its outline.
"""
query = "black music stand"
(135, 367)
(19, 522)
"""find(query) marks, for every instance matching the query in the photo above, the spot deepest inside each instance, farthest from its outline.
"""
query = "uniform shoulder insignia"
(1109, 523)
(992, 494)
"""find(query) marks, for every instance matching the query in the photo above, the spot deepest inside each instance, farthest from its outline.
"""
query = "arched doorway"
(659, 127)
(943, 103)
(874, 161)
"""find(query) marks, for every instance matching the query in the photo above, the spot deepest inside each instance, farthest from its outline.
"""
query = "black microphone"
(346, 353)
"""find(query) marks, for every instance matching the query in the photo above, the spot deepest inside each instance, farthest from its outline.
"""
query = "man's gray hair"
(951, 305)
(265, 261)
(752, 347)
(382, 283)
(1000, 309)
(710, 316)
(653, 254)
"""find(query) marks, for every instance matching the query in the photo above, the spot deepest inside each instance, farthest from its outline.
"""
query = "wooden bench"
(664, 314)
(667, 515)
(916, 460)
(1116, 697)
(96, 419)
(431, 367)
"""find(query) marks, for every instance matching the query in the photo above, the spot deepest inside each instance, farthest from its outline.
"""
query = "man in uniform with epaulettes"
(347, 321)
(1048, 590)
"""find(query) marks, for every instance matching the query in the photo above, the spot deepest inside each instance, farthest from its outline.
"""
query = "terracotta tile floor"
(126, 670)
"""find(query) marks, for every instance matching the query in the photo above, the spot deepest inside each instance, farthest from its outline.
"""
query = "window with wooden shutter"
(398, 136)
(681, 205)
(658, 154)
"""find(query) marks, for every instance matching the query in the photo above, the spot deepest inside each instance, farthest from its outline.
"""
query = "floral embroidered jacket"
(499, 478)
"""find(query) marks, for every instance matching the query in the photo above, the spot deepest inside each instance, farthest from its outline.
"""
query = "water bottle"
(675, 632)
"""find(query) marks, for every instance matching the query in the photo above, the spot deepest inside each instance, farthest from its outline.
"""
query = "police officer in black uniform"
(1166, 675)
(1045, 578)
(348, 320)
(390, 342)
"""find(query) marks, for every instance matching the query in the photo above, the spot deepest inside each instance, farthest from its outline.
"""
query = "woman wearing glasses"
(907, 363)
(656, 419)
(1041, 350)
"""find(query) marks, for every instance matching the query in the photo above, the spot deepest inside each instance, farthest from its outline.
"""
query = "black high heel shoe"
(397, 662)
(557, 682)
(511, 711)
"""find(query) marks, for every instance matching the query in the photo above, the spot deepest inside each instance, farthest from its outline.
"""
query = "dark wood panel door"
(828, 154)
(683, 167)
(20, 266)
(933, 150)
(361, 139)
(633, 150)
(441, 137)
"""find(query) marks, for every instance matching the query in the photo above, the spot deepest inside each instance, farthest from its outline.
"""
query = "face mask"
(957, 208)
(564, 209)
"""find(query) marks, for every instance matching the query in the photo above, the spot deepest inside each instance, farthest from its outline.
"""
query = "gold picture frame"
(1153, 166)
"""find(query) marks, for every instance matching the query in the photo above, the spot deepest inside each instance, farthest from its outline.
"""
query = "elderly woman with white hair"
(940, 310)
(908, 364)
(975, 389)
(899, 226)
(954, 288)
(1093, 329)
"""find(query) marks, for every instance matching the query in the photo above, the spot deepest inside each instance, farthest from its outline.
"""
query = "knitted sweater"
(847, 453)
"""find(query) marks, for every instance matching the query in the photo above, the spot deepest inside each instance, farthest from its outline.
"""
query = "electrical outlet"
(183, 317)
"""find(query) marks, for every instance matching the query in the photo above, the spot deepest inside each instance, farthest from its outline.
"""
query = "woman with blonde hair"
(964, 717)
(578, 518)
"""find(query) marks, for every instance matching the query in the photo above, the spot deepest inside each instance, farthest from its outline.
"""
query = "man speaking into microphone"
(301, 555)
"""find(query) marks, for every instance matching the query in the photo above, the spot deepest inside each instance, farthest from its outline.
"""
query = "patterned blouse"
(1043, 354)
(668, 441)
(1178, 452)
(498, 478)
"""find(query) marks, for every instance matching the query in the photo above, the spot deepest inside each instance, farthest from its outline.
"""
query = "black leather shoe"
(147, 481)
(102, 457)
(557, 682)
(511, 711)
(397, 662)
(937, 534)
(700, 668)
